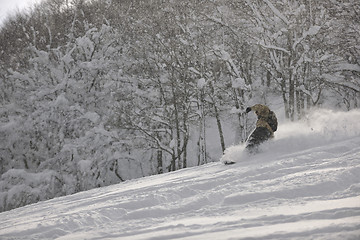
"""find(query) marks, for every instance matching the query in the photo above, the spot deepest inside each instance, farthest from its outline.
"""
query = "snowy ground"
(304, 185)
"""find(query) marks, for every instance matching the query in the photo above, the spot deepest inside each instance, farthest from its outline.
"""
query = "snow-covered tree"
(93, 93)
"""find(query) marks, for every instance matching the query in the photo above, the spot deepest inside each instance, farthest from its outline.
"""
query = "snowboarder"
(266, 125)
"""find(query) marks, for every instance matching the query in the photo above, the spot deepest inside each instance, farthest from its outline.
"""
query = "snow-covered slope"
(304, 185)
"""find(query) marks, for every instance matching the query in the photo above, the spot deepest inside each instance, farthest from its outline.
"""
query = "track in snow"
(313, 193)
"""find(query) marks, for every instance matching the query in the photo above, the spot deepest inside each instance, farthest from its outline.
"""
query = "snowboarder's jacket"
(266, 125)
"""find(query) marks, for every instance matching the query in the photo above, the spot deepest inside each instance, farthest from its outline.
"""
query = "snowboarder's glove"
(248, 109)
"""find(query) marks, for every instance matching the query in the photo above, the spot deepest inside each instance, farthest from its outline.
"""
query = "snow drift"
(320, 127)
(304, 185)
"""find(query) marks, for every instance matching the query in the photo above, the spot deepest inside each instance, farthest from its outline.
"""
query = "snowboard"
(229, 163)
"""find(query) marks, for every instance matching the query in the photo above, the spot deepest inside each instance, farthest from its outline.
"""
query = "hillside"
(96, 93)
(304, 185)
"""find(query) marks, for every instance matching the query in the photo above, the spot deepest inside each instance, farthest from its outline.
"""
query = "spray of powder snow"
(320, 127)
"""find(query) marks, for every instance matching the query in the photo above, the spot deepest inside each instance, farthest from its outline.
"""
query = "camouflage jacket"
(266, 118)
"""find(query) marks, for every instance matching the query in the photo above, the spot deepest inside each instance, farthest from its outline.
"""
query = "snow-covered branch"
(277, 12)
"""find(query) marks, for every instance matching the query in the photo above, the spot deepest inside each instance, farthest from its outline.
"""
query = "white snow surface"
(304, 184)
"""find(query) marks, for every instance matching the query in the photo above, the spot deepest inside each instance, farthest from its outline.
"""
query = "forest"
(93, 93)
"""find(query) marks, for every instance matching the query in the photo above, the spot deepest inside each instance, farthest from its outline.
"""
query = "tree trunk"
(268, 78)
(239, 135)
(291, 93)
(217, 116)
(201, 143)
(185, 142)
(298, 99)
(177, 122)
(291, 98)
(173, 162)
(159, 162)
(283, 91)
(221, 134)
(202, 131)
